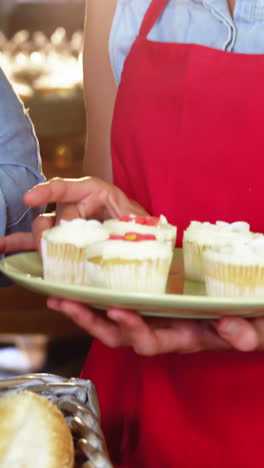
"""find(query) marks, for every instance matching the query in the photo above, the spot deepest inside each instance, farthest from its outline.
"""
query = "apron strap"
(153, 12)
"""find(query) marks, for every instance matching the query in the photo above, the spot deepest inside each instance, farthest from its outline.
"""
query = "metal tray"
(77, 399)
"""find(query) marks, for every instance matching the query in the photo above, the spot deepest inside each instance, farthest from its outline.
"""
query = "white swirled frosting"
(129, 250)
(219, 233)
(162, 230)
(239, 252)
(79, 232)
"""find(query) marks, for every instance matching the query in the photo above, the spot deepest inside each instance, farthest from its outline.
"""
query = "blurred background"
(41, 53)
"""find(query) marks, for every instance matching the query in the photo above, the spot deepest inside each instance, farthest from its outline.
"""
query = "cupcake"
(235, 270)
(158, 226)
(132, 262)
(200, 236)
(63, 249)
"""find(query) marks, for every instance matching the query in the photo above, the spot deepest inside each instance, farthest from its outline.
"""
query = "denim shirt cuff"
(3, 214)
(4, 281)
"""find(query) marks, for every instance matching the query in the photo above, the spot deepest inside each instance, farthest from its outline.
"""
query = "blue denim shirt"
(20, 165)
(204, 22)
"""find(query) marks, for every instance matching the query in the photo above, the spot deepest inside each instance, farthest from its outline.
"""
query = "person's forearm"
(20, 165)
(97, 166)
(99, 88)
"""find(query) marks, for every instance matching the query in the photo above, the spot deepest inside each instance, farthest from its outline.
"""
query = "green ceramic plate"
(184, 298)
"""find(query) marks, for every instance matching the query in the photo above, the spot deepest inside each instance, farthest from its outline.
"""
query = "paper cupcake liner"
(148, 276)
(172, 240)
(193, 261)
(63, 262)
(171, 237)
(96, 273)
(227, 280)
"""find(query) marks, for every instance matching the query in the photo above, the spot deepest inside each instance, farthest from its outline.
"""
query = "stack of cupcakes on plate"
(134, 254)
(198, 237)
(228, 257)
(131, 253)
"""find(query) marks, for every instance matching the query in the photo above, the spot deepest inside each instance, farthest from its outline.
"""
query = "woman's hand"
(88, 197)
(152, 336)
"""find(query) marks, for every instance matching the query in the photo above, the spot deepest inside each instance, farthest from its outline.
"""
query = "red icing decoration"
(146, 220)
(115, 237)
(133, 237)
(125, 219)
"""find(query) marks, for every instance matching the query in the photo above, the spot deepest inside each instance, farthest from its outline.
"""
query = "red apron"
(187, 142)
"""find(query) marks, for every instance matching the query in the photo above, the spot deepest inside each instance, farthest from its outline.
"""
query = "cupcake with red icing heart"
(133, 262)
(158, 226)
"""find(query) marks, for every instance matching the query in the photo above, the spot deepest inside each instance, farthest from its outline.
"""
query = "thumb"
(17, 242)
(40, 224)
(239, 333)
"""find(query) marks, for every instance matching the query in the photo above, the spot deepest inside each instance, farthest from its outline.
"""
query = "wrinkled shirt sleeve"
(20, 164)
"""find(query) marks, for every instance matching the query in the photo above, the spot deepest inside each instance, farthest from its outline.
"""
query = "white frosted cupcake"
(200, 236)
(63, 249)
(236, 270)
(134, 262)
(158, 226)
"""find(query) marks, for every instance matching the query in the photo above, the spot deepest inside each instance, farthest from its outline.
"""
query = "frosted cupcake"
(134, 262)
(236, 270)
(158, 226)
(200, 236)
(63, 249)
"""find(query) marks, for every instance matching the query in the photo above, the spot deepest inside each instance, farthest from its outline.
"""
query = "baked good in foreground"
(63, 249)
(200, 236)
(33, 433)
(236, 270)
(158, 226)
(133, 262)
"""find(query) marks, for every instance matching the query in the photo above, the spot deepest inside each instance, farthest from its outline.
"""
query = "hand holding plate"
(147, 336)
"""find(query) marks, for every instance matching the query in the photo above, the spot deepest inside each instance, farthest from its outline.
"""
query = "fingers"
(25, 241)
(158, 336)
(243, 335)
(18, 242)
(198, 335)
(91, 196)
(136, 332)
(119, 205)
(95, 204)
(137, 209)
(67, 212)
(61, 190)
(40, 224)
(85, 197)
(108, 201)
(147, 337)
(93, 322)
